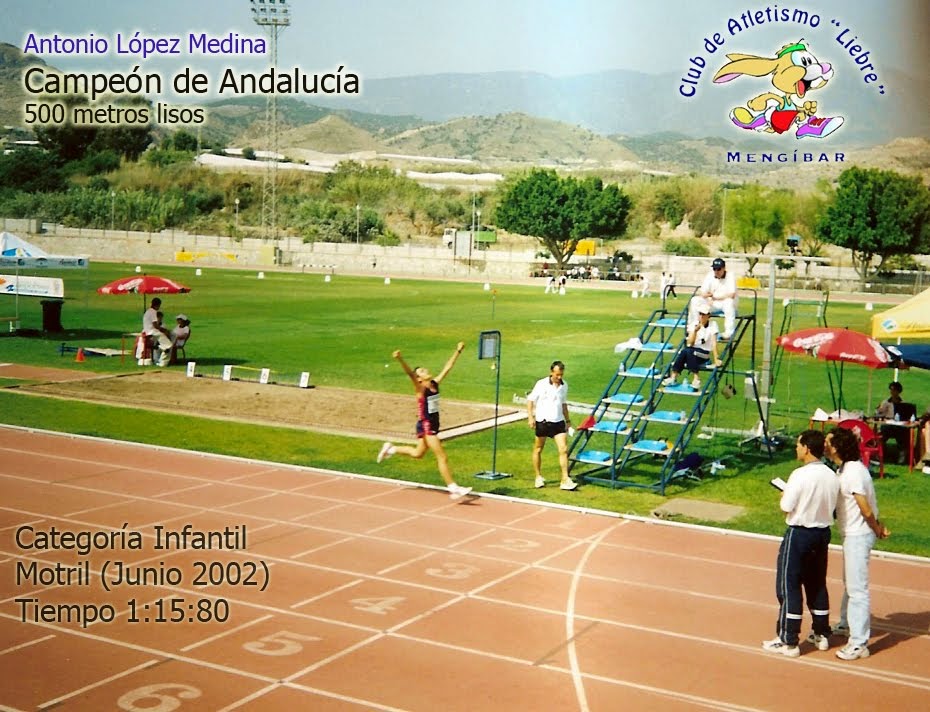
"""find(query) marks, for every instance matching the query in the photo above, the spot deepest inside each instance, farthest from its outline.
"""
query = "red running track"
(386, 596)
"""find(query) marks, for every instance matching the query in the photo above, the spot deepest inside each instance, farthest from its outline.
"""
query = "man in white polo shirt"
(717, 291)
(547, 409)
(151, 330)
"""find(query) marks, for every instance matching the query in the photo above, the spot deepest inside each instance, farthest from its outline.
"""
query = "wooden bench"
(13, 322)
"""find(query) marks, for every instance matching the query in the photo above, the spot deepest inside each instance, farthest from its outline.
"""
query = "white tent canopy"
(15, 252)
(14, 246)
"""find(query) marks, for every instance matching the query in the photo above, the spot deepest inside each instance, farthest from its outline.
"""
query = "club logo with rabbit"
(786, 107)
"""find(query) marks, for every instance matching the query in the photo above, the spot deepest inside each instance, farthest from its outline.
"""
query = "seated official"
(179, 336)
(886, 409)
(700, 346)
(717, 291)
(161, 351)
(151, 328)
(896, 408)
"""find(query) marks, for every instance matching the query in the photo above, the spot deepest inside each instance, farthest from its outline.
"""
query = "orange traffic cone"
(80, 356)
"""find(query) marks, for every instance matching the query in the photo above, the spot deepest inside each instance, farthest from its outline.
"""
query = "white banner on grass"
(32, 286)
(50, 262)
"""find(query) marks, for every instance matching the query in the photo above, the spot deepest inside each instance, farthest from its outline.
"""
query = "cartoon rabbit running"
(795, 72)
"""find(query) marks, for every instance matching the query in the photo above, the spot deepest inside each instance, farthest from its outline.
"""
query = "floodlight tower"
(272, 16)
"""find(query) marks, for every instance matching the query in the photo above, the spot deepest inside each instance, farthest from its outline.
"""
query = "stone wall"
(497, 263)
(171, 246)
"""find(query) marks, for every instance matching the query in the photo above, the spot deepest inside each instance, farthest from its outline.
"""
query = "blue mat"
(625, 399)
(681, 388)
(657, 346)
(669, 416)
(650, 445)
(610, 426)
(594, 456)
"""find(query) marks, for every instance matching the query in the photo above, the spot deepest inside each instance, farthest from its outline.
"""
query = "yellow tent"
(908, 320)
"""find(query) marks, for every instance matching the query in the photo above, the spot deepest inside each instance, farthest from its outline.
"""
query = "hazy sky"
(392, 38)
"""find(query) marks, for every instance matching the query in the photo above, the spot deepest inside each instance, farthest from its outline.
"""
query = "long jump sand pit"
(325, 409)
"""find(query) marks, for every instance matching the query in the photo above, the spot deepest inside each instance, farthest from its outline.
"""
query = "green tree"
(438, 210)
(128, 140)
(877, 213)
(71, 143)
(670, 204)
(755, 217)
(561, 211)
(702, 198)
(352, 183)
(30, 170)
(184, 141)
(66, 141)
(641, 221)
(807, 210)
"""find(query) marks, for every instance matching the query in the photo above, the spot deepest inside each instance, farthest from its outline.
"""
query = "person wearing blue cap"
(718, 293)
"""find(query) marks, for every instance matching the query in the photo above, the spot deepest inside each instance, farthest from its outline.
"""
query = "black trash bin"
(51, 314)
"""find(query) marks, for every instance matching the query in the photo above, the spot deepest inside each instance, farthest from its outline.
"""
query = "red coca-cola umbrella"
(839, 345)
(834, 344)
(143, 284)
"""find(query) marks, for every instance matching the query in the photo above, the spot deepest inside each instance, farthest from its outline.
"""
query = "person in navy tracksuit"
(808, 500)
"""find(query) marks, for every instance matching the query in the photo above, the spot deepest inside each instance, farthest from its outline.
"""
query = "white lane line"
(26, 644)
(204, 641)
(98, 683)
(570, 621)
(328, 592)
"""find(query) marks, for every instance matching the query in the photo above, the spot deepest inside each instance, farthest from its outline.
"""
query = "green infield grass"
(343, 332)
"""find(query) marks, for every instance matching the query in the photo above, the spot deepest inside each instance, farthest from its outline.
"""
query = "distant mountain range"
(633, 103)
(12, 96)
(625, 121)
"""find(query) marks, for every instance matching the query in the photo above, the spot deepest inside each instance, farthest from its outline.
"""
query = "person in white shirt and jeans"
(547, 411)
(857, 516)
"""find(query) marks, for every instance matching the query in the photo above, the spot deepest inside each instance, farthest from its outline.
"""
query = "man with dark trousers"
(808, 500)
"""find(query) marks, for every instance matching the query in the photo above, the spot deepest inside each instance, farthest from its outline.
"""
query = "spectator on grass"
(808, 501)
(548, 416)
(427, 389)
(857, 516)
